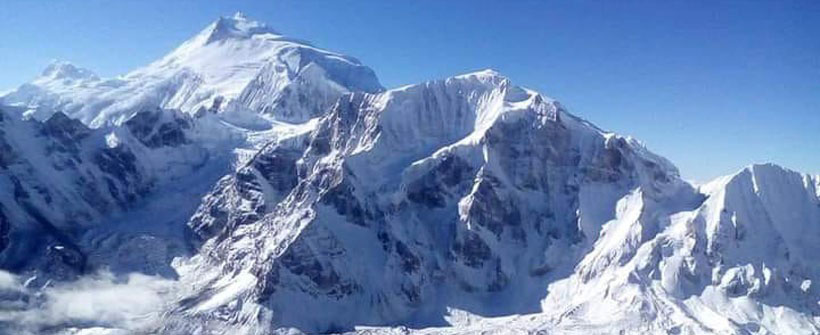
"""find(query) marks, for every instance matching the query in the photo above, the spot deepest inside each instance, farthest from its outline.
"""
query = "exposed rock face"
(159, 128)
(67, 132)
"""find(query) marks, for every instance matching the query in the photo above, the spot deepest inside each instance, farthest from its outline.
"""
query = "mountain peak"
(237, 26)
(486, 73)
(762, 170)
(240, 16)
(64, 70)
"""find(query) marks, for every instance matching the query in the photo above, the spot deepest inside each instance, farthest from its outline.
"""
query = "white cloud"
(8, 281)
(94, 304)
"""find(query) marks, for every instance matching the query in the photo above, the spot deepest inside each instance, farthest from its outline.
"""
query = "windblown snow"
(251, 183)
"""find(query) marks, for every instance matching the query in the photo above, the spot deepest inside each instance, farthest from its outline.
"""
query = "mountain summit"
(62, 70)
(236, 26)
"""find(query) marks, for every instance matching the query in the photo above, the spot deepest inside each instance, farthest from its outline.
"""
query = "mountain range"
(252, 183)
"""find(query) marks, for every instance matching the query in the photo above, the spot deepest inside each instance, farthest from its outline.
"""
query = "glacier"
(251, 183)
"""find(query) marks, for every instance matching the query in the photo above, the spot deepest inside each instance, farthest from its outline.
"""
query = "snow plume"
(101, 303)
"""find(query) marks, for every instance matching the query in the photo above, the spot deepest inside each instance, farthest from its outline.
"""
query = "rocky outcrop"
(160, 128)
(62, 178)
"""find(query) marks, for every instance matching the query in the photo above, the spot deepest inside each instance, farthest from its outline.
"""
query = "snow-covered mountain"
(500, 191)
(232, 66)
(277, 188)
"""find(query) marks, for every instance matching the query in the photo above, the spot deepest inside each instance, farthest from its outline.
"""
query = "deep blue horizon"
(711, 86)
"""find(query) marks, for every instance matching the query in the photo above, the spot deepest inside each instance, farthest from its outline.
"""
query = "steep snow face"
(741, 261)
(468, 192)
(780, 206)
(235, 66)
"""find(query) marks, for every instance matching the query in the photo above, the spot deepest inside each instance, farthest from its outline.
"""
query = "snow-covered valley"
(251, 183)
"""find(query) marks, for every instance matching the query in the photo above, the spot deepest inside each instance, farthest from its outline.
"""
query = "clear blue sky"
(712, 86)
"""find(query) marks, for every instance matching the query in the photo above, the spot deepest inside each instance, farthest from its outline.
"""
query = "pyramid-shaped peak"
(238, 26)
(490, 75)
(489, 72)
